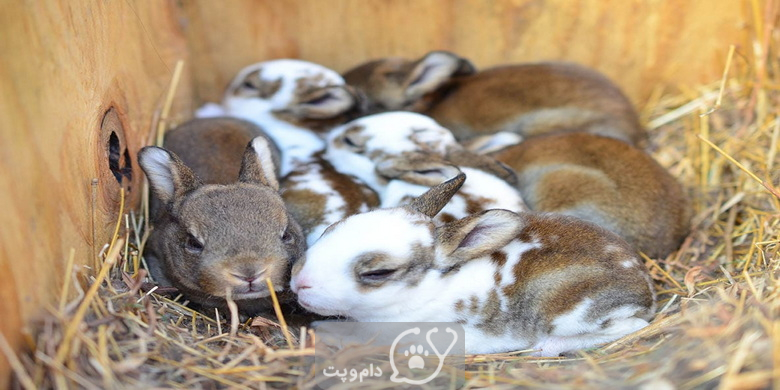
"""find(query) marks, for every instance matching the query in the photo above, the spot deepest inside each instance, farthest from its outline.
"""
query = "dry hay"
(717, 325)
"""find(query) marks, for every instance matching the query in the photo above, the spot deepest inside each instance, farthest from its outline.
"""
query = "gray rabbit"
(215, 235)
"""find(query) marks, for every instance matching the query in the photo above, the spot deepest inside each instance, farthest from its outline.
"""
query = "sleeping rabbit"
(514, 281)
(528, 99)
(219, 230)
(603, 181)
(402, 154)
(296, 102)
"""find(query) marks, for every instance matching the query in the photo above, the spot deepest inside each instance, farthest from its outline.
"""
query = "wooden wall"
(64, 64)
(640, 43)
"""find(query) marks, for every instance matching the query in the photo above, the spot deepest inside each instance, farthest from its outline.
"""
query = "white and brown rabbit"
(514, 281)
(603, 181)
(219, 230)
(295, 102)
(528, 99)
(402, 154)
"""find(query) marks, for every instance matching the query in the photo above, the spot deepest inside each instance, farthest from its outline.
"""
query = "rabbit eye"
(193, 245)
(353, 145)
(248, 84)
(376, 275)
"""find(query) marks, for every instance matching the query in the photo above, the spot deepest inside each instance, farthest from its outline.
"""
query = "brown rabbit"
(528, 99)
(603, 181)
(219, 236)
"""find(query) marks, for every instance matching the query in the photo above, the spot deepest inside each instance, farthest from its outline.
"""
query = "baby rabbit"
(529, 99)
(514, 281)
(215, 236)
(402, 154)
(295, 102)
(603, 181)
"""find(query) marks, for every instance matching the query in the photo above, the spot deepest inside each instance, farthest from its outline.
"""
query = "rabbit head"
(356, 147)
(305, 94)
(384, 267)
(215, 240)
(398, 83)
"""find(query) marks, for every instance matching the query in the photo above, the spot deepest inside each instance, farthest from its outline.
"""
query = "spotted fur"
(402, 154)
(515, 281)
(296, 102)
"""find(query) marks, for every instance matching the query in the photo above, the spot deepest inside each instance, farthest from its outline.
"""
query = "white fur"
(330, 286)
(393, 133)
(265, 158)
(289, 71)
(210, 110)
(313, 179)
(157, 165)
(297, 145)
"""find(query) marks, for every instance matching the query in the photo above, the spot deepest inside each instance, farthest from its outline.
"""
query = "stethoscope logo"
(417, 352)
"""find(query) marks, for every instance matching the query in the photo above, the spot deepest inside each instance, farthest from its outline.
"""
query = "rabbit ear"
(258, 165)
(326, 102)
(433, 200)
(417, 168)
(477, 235)
(466, 158)
(487, 144)
(433, 70)
(167, 174)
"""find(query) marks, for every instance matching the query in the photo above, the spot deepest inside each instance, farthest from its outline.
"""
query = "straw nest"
(717, 324)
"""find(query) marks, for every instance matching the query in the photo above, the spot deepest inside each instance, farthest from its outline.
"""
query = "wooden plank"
(639, 43)
(64, 64)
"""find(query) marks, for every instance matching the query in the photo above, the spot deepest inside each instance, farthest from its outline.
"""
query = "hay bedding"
(717, 325)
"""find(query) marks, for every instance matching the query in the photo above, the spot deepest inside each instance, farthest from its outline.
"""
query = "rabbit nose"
(249, 276)
(300, 284)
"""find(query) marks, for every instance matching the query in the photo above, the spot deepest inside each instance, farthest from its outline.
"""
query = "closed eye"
(376, 275)
(353, 145)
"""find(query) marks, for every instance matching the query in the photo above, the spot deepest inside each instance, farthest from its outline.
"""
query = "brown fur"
(431, 202)
(213, 147)
(308, 207)
(574, 260)
(514, 98)
(604, 181)
(243, 227)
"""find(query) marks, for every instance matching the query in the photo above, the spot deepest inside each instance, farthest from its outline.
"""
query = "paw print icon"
(416, 354)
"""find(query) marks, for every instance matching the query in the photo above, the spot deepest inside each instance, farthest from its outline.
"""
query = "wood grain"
(639, 43)
(64, 64)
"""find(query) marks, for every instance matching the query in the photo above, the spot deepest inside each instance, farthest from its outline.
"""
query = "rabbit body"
(514, 281)
(528, 99)
(603, 181)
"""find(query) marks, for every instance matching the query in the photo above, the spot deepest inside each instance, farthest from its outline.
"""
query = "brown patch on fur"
(460, 306)
(474, 304)
(499, 259)
(606, 182)
(491, 315)
(306, 207)
(553, 279)
(355, 195)
(505, 98)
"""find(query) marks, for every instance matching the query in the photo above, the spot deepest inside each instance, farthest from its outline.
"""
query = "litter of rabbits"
(717, 320)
